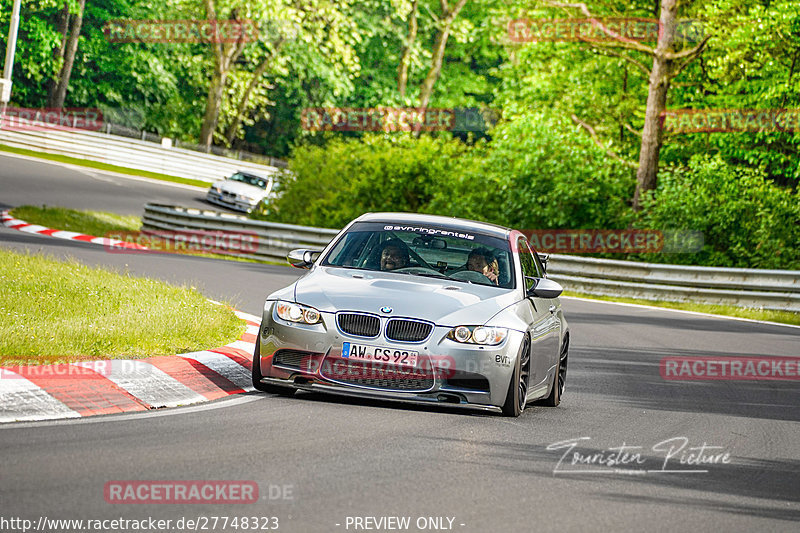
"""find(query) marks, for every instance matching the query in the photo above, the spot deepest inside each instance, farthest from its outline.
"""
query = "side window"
(527, 262)
(537, 263)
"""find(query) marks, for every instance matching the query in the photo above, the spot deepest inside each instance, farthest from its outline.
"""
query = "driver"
(394, 256)
(483, 261)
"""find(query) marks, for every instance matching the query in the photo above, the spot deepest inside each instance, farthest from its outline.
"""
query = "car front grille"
(404, 330)
(375, 376)
(358, 324)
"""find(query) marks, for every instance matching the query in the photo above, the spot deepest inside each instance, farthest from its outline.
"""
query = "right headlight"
(301, 314)
(487, 336)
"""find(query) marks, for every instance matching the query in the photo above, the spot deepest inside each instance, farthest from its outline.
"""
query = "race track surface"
(318, 460)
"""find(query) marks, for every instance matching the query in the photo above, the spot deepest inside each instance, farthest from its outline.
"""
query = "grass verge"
(103, 166)
(784, 317)
(96, 223)
(61, 311)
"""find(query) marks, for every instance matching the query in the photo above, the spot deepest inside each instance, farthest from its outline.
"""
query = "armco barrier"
(130, 153)
(768, 289)
(274, 240)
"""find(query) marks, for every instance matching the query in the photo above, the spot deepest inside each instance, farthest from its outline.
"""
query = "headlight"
(298, 313)
(478, 335)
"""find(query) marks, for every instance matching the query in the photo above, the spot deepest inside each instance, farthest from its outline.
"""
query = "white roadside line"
(229, 401)
(697, 313)
(94, 172)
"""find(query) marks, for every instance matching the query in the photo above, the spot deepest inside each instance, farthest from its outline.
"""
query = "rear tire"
(264, 387)
(516, 398)
(560, 378)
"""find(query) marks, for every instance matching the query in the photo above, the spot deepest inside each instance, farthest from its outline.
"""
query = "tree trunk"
(646, 175)
(58, 54)
(69, 57)
(213, 106)
(439, 46)
(436, 67)
(402, 69)
(240, 110)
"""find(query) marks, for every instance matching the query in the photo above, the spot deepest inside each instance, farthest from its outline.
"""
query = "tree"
(224, 56)
(70, 21)
(444, 26)
(667, 64)
(405, 59)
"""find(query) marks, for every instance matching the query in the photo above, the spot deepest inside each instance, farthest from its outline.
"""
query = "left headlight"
(293, 312)
(487, 336)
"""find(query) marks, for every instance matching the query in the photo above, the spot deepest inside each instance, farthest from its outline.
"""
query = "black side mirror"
(545, 288)
(302, 258)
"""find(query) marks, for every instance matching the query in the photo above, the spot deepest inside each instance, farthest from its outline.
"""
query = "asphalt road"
(351, 458)
(37, 182)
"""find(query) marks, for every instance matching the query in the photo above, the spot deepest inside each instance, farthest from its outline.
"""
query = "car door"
(540, 328)
(552, 333)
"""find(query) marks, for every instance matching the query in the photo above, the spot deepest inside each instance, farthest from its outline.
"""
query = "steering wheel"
(417, 270)
(471, 276)
(421, 261)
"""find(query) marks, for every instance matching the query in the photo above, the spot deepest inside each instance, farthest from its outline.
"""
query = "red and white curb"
(17, 224)
(73, 390)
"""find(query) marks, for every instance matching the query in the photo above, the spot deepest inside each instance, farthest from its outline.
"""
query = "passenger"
(394, 255)
(483, 261)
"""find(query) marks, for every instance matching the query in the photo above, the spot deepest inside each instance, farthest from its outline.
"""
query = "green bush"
(540, 172)
(746, 220)
(332, 184)
(536, 173)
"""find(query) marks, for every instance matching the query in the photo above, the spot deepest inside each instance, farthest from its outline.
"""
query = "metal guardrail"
(767, 289)
(130, 153)
(274, 240)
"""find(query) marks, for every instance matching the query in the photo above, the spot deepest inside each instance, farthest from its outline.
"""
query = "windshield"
(250, 180)
(430, 251)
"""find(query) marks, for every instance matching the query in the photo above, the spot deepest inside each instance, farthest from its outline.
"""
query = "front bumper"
(229, 201)
(309, 357)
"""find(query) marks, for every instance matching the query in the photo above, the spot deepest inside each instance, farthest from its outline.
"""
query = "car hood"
(237, 187)
(444, 302)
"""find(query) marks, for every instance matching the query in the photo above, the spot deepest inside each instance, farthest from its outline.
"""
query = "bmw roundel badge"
(386, 309)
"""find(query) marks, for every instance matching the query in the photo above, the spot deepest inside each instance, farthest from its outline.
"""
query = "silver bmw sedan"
(422, 309)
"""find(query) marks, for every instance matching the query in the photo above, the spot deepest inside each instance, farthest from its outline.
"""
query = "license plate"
(379, 354)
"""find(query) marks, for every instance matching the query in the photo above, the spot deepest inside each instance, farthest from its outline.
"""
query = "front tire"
(264, 387)
(517, 395)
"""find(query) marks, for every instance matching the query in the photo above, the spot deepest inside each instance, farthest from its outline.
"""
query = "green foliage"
(333, 184)
(538, 172)
(542, 172)
(746, 220)
(537, 169)
(751, 62)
